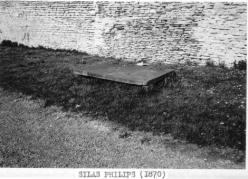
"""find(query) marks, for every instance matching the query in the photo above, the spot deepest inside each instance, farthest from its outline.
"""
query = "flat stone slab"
(130, 74)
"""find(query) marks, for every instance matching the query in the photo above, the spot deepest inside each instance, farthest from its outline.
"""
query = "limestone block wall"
(169, 32)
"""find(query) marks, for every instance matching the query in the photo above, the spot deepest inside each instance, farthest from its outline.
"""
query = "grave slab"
(130, 74)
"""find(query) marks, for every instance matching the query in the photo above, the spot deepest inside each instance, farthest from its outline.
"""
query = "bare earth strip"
(34, 136)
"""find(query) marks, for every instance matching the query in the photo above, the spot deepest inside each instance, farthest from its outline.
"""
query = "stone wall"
(167, 32)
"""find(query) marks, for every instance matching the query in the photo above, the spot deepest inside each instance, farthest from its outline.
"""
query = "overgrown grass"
(207, 106)
(240, 65)
(9, 43)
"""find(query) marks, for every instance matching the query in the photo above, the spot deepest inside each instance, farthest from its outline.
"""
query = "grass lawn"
(34, 136)
(206, 106)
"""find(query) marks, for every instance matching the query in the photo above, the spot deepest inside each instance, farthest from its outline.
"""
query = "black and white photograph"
(123, 85)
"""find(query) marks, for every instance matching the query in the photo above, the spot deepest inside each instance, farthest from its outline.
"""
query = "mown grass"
(34, 136)
(206, 106)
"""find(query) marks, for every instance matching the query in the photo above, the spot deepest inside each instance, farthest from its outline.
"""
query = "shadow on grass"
(207, 106)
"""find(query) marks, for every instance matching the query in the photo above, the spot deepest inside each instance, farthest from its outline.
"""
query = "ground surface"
(34, 136)
(204, 106)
